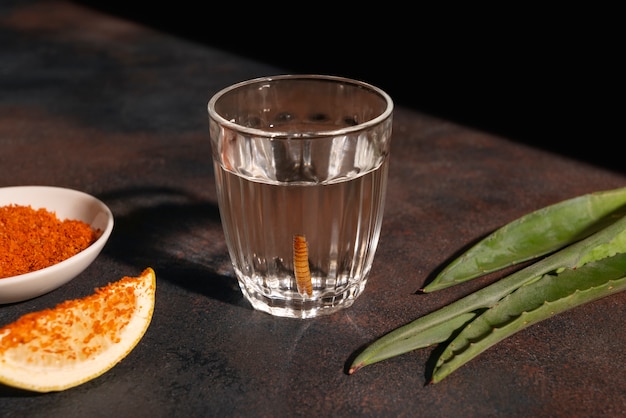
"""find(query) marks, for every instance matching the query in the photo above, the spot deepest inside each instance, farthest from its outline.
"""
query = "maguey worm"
(301, 265)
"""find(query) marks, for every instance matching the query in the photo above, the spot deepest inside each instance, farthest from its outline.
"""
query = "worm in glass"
(301, 265)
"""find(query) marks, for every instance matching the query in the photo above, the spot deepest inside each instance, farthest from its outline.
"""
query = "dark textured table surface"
(100, 104)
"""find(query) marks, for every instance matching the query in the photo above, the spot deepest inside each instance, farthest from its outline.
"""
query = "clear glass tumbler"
(301, 167)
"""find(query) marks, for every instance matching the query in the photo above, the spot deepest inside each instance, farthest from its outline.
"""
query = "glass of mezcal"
(301, 167)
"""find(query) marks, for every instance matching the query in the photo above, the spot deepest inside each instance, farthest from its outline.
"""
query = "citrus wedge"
(78, 340)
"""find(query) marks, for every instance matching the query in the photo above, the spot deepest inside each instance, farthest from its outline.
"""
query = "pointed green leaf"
(533, 235)
(427, 330)
(530, 304)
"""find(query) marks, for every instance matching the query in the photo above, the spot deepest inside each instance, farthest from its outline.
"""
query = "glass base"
(294, 305)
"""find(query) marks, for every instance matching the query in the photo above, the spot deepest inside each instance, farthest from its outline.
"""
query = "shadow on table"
(177, 234)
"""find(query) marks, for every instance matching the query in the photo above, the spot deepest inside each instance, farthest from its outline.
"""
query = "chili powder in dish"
(33, 239)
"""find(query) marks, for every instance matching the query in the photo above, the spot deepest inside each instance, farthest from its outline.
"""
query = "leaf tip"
(426, 289)
(355, 368)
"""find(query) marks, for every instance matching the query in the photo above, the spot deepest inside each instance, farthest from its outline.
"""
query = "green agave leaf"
(530, 304)
(434, 327)
(533, 235)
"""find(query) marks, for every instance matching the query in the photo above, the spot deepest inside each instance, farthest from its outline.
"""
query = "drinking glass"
(301, 166)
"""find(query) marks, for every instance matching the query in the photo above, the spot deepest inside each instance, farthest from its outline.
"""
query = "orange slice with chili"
(77, 340)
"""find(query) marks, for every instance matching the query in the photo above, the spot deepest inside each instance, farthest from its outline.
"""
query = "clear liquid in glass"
(340, 220)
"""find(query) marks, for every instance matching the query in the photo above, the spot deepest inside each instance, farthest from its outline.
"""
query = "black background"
(548, 77)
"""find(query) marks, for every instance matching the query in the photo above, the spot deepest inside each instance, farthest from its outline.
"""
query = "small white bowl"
(66, 204)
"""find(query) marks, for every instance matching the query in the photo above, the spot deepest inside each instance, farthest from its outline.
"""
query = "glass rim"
(286, 134)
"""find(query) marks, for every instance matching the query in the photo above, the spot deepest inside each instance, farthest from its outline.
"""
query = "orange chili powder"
(34, 239)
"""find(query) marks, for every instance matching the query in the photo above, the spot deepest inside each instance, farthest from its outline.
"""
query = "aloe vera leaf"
(530, 304)
(533, 235)
(431, 328)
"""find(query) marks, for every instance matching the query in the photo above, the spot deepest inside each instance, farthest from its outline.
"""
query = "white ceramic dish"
(66, 204)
